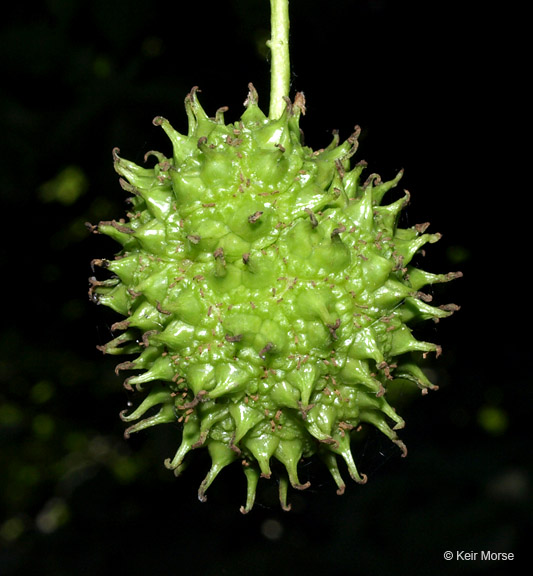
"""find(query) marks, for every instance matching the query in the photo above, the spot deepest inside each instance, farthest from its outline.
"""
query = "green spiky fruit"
(268, 295)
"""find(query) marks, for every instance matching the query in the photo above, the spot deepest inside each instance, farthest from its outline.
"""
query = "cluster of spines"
(226, 401)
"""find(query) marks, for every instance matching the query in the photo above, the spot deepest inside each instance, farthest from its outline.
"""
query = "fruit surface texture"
(267, 295)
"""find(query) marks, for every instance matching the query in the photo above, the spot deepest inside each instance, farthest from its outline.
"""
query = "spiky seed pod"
(268, 295)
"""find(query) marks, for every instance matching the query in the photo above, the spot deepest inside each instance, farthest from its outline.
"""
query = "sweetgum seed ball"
(267, 294)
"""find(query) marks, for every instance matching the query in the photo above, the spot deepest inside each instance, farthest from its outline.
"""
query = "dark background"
(438, 88)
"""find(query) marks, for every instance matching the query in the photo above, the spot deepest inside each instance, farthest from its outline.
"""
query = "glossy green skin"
(267, 295)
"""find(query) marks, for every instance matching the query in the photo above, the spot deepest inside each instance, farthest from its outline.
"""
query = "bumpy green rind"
(268, 295)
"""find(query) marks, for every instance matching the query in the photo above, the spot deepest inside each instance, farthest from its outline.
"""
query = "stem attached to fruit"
(280, 72)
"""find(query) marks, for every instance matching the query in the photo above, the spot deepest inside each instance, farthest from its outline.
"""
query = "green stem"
(280, 71)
